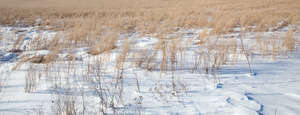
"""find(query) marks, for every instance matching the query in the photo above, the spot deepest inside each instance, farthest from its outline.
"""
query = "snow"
(274, 89)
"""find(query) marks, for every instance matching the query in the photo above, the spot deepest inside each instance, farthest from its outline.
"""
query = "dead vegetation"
(32, 78)
(65, 105)
(99, 25)
(107, 43)
(150, 17)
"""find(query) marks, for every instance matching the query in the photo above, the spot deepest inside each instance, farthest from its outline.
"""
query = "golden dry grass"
(97, 24)
(155, 15)
(89, 21)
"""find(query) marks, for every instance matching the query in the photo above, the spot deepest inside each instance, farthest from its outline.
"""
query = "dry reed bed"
(149, 16)
(99, 25)
(89, 21)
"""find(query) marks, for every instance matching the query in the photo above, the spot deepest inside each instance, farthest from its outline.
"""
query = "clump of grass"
(39, 43)
(164, 55)
(32, 78)
(174, 50)
(123, 55)
(105, 44)
(289, 42)
(120, 60)
(246, 52)
(107, 90)
(65, 105)
(276, 45)
(18, 43)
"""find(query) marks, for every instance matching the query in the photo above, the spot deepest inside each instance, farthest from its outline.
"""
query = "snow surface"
(273, 90)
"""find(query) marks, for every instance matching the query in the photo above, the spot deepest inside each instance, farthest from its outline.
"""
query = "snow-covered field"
(88, 83)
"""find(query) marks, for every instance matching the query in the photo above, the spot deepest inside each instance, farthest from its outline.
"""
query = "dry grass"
(276, 45)
(289, 41)
(32, 78)
(105, 44)
(148, 16)
(65, 105)
(98, 25)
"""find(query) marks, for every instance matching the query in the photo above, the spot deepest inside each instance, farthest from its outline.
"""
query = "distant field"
(85, 22)
(222, 15)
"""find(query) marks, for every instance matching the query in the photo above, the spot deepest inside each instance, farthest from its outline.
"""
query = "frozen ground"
(273, 90)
